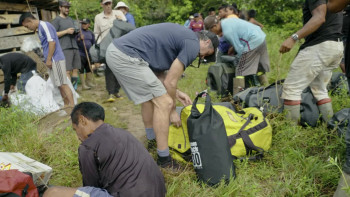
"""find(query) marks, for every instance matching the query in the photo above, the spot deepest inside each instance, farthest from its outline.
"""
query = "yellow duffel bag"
(249, 133)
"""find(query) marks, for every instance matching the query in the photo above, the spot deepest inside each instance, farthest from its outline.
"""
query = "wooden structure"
(12, 33)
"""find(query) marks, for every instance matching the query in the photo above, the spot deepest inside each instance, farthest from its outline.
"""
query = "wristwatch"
(295, 37)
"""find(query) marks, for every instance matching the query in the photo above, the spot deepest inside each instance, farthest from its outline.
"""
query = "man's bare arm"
(52, 48)
(317, 19)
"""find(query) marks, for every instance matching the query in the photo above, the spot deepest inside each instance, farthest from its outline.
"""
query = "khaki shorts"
(254, 61)
(138, 81)
(312, 67)
(58, 73)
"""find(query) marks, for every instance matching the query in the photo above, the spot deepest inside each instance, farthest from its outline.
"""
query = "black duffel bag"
(211, 155)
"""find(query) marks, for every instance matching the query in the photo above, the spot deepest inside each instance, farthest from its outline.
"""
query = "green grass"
(296, 165)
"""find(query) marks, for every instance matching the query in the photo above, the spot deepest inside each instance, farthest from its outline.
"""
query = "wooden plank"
(14, 41)
(14, 31)
(9, 18)
(14, 7)
(45, 15)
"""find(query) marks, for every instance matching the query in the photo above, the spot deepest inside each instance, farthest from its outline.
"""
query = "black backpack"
(340, 121)
(338, 82)
(270, 101)
(98, 51)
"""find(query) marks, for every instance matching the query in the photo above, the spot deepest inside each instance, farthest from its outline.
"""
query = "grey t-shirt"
(67, 41)
(160, 45)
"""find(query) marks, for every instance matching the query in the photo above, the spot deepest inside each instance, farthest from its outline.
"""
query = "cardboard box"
(41, 172)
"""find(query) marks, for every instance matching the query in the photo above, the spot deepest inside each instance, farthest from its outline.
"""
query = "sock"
(163, 153)
(75, 82)
(150, 134)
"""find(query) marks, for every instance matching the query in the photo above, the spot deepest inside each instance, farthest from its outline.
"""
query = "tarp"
(41, 97)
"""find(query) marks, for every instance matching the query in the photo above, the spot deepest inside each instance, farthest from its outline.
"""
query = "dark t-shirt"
(330, 30)
(89, 39)
(114, 160)
(67, 41)
(14, 63)
(160, 45)
(346, 20)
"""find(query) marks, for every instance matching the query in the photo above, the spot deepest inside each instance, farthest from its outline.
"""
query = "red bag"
(16, 183)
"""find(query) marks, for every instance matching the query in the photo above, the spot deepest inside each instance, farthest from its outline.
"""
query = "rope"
(278, 78)
(30, 10)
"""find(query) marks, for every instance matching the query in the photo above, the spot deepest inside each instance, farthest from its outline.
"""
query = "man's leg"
(74, 78)
(161, 119)
(67, 95)
(112, 85)
(147, 117)
(320, 92)
(76, 65)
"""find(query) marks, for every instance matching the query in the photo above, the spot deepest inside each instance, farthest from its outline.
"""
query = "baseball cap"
(106, 1)
(191, 17)
(214, 39)
(85, 21)
(210, 21)
(196, 15)
(63, 3)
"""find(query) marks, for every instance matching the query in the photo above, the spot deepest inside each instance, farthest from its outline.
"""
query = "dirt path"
(121, 113)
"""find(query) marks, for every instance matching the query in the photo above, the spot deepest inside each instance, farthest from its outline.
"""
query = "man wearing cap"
(249, 43)
(66, 30)
(125, 9)
(103, 23)
(139, 60)
(12, 64)
(196, 25)
(53, 54)
(87, 38)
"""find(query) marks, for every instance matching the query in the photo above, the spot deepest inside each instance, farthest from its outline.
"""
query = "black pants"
(84, 65)
(112, 84)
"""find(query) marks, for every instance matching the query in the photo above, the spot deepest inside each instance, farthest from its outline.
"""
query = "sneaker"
(151, 144)
(111, 98)
(118, 96)
(167, 162)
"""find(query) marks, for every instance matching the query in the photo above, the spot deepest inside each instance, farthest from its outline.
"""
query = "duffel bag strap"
(248, 143)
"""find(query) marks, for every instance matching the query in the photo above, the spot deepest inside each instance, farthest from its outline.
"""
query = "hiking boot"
(151, 144)
(167, 162)
(111, 98)
(89, 80)
(83, 84)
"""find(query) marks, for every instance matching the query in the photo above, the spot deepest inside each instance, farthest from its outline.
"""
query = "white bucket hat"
(121, 4)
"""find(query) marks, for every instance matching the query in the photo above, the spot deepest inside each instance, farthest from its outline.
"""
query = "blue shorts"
(91, 192)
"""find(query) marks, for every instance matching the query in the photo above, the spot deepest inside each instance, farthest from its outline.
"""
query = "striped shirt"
(47, 33)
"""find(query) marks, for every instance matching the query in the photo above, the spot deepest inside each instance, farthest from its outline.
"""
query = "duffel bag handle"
(194, 110)
(248, 143)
